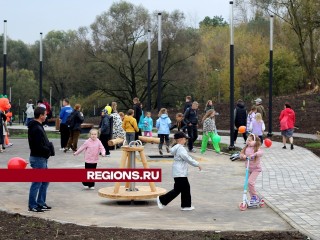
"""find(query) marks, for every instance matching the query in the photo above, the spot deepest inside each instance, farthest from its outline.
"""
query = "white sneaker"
(61, 149)
(160, 205)
(91, 188)
(108, 155)
(85, 187)
(188, 208)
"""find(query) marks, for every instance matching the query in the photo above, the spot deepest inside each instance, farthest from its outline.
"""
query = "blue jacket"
(148, 124)
(64, 113)
(163, 124)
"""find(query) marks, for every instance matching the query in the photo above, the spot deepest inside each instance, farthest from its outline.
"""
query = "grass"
(313, 145)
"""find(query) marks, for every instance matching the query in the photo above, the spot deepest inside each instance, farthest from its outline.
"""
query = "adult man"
(64, 130)
(40, 151)
(137, 114)
(260, 108)
(191, 120)
(187, 104)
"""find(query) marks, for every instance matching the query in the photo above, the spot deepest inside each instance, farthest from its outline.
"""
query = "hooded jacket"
(38, 140)
(240, 115)
(181, 161)
(287, 119)
(92, 150)
(130, 124)
(163, 124)
(254, 164)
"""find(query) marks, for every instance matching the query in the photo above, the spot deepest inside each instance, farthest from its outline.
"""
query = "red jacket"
(287, 119)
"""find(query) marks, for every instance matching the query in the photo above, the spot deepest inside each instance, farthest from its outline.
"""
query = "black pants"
(89, 166)
(181, 185)
(236, 135)
(137, 134)
(104, 138)
(64, 135)
(193, 135)
(163, 138)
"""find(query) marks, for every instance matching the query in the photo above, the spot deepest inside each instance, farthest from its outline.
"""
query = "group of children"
(93, 147)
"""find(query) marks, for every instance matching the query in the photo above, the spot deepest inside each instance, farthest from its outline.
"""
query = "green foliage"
(216, 21)
(313, 145)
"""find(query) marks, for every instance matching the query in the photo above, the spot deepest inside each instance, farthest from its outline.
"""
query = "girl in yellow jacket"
(130, 126)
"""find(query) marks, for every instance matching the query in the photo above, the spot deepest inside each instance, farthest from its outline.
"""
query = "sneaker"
(168, 150)
(65, 150)
(85, 187)
(45, 207)
(160, 151)
(61, 149)
(91, 188)
(36, 209)
(160, 205)
(192, 150)
(284, 147)
(187, 208)
(108, 155)
(291, 146)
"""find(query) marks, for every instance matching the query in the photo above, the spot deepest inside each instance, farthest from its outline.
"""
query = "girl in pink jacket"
(252, 150)
(92, 147)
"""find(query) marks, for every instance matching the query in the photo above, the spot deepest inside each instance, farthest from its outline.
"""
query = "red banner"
(81, 175)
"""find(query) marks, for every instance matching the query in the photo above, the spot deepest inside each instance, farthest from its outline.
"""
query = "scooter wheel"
(243, 206)
(262, 203)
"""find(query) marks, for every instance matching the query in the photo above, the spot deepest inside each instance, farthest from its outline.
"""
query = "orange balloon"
(17, 163)
(242, 129)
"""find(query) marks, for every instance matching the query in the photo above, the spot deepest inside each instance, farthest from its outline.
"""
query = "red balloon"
(267, 142)
(242, 129)
(17, 163)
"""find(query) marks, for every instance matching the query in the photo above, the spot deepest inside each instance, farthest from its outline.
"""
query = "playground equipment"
(149, 139)
(130, 191)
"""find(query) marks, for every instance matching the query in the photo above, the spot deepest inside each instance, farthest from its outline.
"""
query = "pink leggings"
(252, 182)
(147, 133)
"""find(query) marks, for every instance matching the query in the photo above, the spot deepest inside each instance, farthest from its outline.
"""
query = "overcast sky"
(26, 19)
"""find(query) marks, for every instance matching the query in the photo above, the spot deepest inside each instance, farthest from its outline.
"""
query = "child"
(121, 115)
(257, 126)
(251, 116)
(252, 150)
(163, 125)
(209, 131)
(147, 125)
(180, 124)
(92, 148)
(180, 173)
(130, 126)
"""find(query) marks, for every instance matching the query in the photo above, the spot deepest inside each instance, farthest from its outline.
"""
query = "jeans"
(130, 136)
(38, 190)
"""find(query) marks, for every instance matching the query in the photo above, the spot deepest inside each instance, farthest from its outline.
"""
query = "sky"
(26, 19)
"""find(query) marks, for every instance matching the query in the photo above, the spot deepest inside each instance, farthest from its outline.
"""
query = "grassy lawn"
(313, 145)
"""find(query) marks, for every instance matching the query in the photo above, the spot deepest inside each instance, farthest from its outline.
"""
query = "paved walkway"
(290, 183)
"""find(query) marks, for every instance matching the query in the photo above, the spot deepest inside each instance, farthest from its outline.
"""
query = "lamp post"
(231, 147)
(5, 58)
(40, 71)
(270, 77)
(149, 71)
(159, 63)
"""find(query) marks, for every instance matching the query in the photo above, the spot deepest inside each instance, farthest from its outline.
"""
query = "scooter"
(245, 201)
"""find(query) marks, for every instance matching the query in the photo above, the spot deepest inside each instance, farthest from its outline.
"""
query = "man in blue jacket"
(64, 129)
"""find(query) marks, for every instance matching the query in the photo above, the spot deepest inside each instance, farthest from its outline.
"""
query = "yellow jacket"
(129, 124)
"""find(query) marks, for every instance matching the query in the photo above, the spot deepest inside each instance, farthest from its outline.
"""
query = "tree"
(304, 20)
(216, 21)
(118, 50)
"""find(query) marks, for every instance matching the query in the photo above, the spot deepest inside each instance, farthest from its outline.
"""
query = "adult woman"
(74, 122)
(209, 106)
(287, 120)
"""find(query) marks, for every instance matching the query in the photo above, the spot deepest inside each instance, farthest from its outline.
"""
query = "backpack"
(70, 119)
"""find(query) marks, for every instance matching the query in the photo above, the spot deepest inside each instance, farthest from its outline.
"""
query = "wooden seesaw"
(149, 139)
(130, 191)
